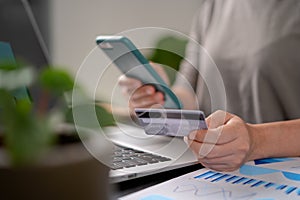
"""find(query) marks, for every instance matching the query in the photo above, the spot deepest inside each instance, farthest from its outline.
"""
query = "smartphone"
(170, 122)
(132, 63)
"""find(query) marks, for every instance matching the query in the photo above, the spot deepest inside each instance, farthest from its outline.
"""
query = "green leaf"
(7, 108)
(56, 81)
(11, 64)
(7, 65)
(27, 135)
(104, 117)
(90, 116)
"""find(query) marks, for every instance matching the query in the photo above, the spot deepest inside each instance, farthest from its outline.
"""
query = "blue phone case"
(133, 64)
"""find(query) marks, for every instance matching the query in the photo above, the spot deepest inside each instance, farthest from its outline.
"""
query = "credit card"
(170, 122)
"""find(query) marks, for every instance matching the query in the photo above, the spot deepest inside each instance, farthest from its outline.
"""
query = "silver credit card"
(171, 122)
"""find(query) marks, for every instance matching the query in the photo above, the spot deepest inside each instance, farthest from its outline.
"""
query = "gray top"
(256, 48)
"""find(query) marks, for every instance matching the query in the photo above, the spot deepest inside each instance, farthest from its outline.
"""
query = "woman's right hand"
(140, 96)
(143, 96)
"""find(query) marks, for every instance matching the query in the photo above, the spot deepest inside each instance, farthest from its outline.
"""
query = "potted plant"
(42, 156)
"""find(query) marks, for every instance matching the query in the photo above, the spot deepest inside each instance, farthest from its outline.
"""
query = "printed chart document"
(265, 179)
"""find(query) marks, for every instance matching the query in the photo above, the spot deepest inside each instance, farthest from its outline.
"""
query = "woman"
(254, 46)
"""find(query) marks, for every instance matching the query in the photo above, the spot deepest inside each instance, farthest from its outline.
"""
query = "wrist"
(257, 139)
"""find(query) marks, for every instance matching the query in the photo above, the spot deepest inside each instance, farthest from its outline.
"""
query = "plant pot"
(67, 171)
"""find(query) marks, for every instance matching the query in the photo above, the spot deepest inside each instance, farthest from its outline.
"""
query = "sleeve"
(188, 74)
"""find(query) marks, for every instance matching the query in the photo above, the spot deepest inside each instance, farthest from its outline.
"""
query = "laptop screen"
(24, 27)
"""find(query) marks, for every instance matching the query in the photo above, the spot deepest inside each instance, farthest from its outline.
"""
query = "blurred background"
(69, 28)
(63, 32)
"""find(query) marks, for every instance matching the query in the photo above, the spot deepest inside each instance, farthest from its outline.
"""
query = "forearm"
(276, 139)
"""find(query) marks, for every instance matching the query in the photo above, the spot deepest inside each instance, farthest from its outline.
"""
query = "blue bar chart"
(265, 179)
(213, 177)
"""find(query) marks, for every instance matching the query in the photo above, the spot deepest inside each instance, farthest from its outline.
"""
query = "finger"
(214, 134)
(202, 150)
(232, 155)
(221, 135)
(210, 136)
(218, 118)
(148, 101)
(213, 151)
(227, 163)
(220, 167)
(224, 163)
(199, 149)
(128, 85)
(144, 91)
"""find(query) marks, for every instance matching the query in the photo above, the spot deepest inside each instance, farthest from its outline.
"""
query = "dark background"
(16, 29)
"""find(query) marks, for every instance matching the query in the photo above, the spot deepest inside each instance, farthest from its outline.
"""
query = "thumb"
(218, 118)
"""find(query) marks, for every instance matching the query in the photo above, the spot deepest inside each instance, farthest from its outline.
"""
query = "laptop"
(138, 154)
(135, 153)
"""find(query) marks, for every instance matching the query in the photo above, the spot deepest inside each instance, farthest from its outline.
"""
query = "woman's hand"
(143, 96)
(140, 96)
(225, 146)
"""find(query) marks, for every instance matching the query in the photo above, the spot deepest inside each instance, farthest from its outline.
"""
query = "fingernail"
(149, 91)
(185, 139)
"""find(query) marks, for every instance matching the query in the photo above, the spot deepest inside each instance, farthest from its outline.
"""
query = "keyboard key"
(116, 166)
(127, 157)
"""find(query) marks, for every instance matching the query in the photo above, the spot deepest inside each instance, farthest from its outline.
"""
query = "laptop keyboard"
(127, 157)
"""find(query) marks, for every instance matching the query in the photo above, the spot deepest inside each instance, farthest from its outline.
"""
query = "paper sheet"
(265, 179)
